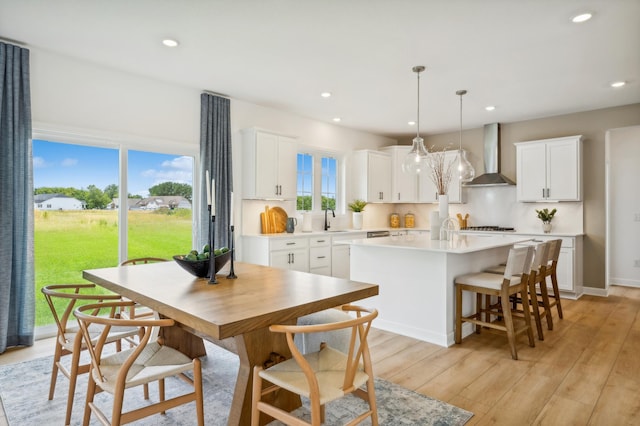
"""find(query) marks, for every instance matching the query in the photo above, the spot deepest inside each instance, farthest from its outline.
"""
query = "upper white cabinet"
(550, 169)
(404, 186)
(427, 192)
(371, 176)
(269, 165)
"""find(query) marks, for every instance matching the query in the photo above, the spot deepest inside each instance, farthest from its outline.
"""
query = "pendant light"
(416, 160)
(465, 169)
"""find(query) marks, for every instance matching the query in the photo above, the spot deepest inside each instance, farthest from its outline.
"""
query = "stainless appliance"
(378, 234)
(489, 228)
(492, 175)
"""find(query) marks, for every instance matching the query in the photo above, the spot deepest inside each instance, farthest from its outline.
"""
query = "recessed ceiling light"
(618, 83)
(170, 42)
(583, 17)
(337, 119)
(325, 94)
(411, 123)
(490, 108)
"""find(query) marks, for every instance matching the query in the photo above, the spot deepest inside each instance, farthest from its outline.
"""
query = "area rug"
(24, 389)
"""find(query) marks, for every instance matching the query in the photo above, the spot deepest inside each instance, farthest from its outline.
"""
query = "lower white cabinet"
(340, 261)
(320, 255)
(286, 253)
(317, 254)
(569, 270)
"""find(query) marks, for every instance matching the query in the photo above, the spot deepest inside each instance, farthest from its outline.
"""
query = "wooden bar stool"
(514, 281)
(538, 299)
(551, 271)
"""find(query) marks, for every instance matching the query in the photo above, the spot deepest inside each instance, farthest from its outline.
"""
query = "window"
(329, 188)
(305, 182)
(84, 224)
(318, 180)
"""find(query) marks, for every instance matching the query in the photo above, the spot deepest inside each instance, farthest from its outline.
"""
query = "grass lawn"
(67, 242)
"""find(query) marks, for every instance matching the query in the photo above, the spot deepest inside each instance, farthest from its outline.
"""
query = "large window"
(318, 181)
(83, 221)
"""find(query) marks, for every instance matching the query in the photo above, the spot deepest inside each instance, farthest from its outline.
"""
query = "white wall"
(623, 206)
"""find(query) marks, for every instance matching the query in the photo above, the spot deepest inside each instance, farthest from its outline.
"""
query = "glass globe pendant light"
(465, 169)
(416, 160)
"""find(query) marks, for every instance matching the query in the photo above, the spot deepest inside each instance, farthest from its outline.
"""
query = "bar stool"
(513, 281)
(551, 271)
(539, 302)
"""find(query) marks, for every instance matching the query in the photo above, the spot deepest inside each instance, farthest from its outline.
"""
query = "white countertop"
(458, 244)
(392, 230)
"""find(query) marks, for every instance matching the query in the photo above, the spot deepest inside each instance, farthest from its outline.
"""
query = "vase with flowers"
(357, 207)
(440, 173)
(546, 215)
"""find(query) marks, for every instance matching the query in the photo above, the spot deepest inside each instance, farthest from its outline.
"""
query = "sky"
(78, 166)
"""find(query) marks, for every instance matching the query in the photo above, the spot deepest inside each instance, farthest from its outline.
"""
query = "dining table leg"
(255, 348)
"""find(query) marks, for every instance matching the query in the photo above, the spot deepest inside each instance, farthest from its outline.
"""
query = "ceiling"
(525, 57)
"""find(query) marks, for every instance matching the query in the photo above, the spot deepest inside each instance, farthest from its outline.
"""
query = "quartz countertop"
(458, 243)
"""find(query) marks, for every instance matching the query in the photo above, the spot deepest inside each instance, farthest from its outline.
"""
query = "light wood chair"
(551, 272)
(62, 299)
(148, 362)
(513, 282)
(321, 376)
(538, 296)
(138, 310)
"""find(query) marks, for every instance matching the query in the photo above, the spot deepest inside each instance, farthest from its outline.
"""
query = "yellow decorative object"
(395, 220)
(409, 220)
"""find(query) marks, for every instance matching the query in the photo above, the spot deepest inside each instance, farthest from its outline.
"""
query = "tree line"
(96, 198)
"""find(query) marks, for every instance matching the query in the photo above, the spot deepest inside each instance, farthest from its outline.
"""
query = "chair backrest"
(518, 263)
(105, 314)
(143, 260)
(62, 299)
(541, 256)
(358, 351)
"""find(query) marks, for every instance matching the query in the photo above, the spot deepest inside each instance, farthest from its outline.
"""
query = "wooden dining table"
(235, 313)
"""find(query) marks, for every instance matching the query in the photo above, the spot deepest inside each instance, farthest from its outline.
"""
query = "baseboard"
(591, 291)
(624, 282)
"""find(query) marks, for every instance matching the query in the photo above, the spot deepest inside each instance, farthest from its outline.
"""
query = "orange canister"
(409, 220)
(394, 220)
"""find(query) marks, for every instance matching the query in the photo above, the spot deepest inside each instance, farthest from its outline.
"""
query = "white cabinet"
(320, 255)
(269, 165)
(569, 270)
(404, 186)
(550, 169)
(340, 258)
(290, 253)
(427, 192)
(341, 254)
(279, 252)
(371, 176)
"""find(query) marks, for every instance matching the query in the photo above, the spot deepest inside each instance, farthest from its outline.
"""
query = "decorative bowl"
(200, 268)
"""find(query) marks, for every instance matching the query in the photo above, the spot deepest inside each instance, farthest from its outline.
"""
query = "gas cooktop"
(488, 228)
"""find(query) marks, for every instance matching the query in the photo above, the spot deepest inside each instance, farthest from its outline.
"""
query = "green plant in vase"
(546, 215)
(357, 207)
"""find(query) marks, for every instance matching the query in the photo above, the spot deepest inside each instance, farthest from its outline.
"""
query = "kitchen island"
(416, 279)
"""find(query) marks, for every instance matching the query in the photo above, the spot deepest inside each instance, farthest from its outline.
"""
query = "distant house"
(161, 202)
(131, 203)
(57, 202)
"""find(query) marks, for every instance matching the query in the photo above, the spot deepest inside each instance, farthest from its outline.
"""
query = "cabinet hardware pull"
(321, 257)
(289, 258)
(293, 258)
(291, 244)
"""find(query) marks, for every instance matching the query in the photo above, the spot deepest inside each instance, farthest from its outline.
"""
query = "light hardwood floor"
(585, 372)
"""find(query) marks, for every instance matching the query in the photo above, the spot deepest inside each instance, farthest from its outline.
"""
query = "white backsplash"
(486, 206)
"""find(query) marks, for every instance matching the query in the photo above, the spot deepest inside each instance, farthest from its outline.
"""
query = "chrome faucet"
(326, 221)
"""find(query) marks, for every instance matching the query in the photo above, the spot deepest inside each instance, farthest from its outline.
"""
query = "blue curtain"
(215, 157)
(17, 287)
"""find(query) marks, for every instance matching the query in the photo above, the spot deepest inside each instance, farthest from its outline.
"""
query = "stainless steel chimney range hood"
(492, 175)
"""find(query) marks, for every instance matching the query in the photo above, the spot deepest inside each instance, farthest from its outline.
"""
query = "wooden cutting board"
(273, 220)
